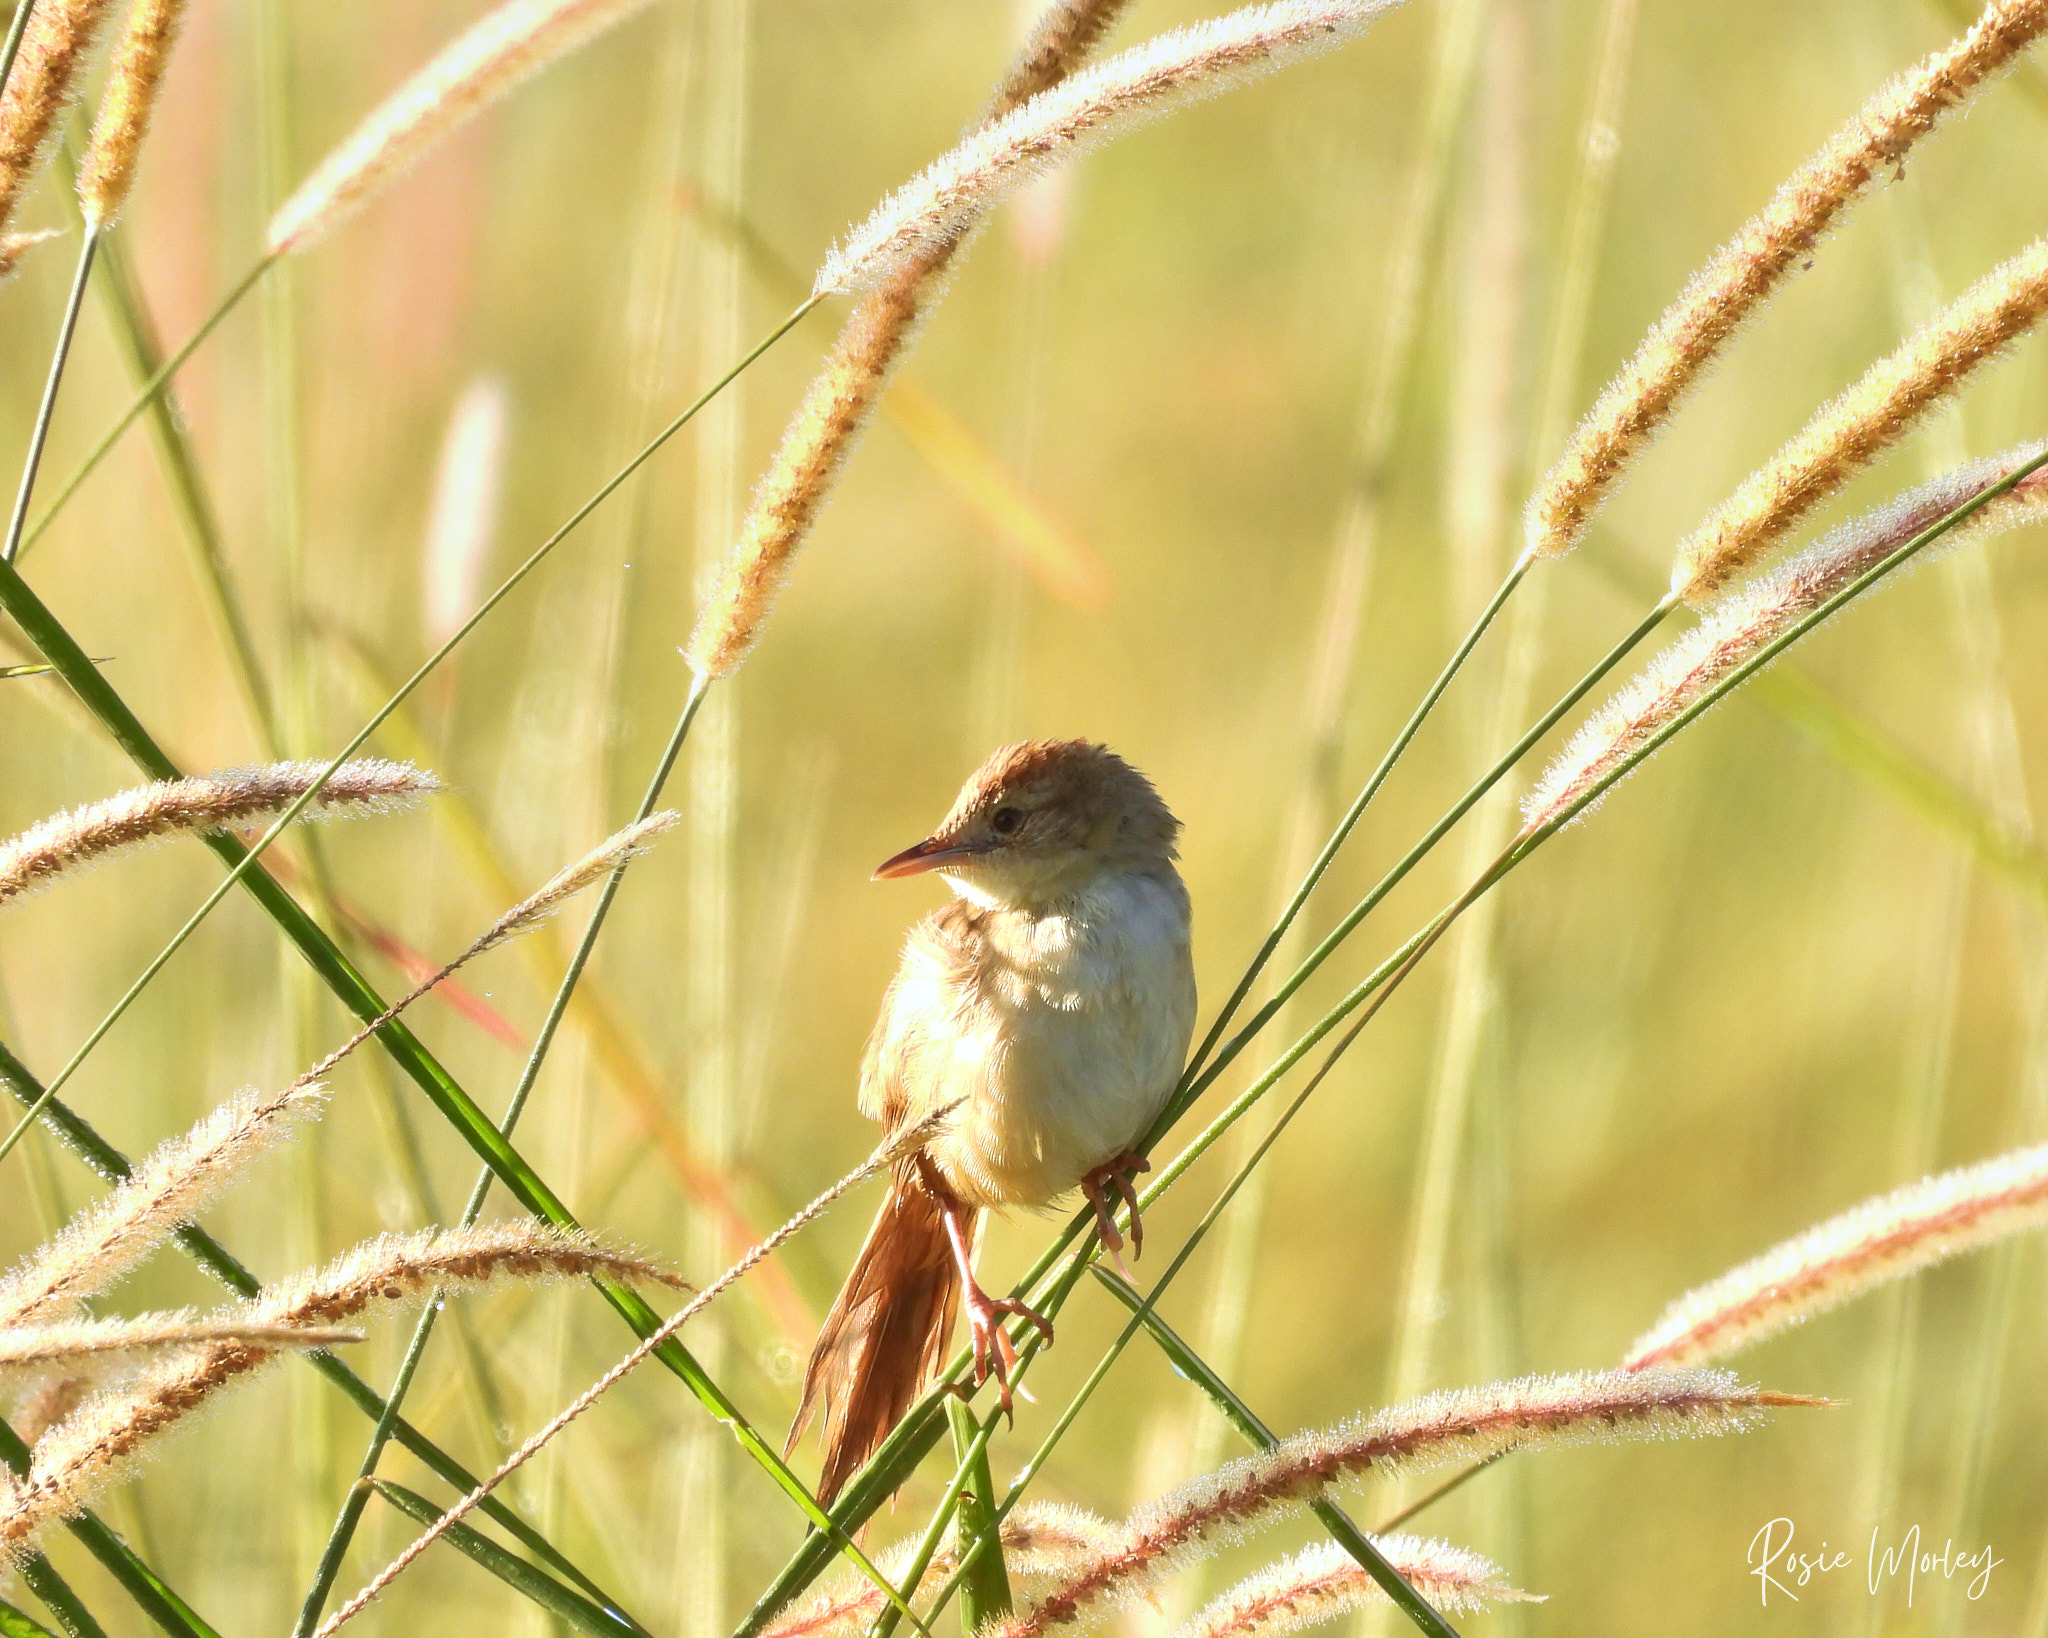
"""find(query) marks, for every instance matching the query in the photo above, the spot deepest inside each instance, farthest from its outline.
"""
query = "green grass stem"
(42, 1579)
(1194, 1085)
(985, 1587)
(40, 432)
(13, 1624)
(144, 397)
(1356, 812)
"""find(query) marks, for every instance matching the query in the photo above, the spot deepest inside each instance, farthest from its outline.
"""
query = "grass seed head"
(504, 47)
(134, 73)
(54, 47)
(1755, 615)
(1869, 1245)
(1323, 1582)
(166, 1190)
(1464, 1425)
(197, 806)
(1850, 433)
(1178, 67)
(13, 246)
(842, 396)
(70, 1341)
(118, 1426)
(1767, 249)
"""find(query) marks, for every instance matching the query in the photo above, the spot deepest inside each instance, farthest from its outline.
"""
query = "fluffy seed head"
(1768, 248)
(115, 1427)
(1324, 1581)
(1881, 1240)
(821, 436)
(1848, 434)
(1757, 614)
(69, 1341)
(493, 55)
(571, 879)
(1064, 37)
(814, 448)
(1466, 1425)
(166, 1190)
(195, 806)
(134, 73)
(1100, 102)
(53, 50)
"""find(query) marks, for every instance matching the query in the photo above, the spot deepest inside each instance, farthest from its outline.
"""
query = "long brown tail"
(886, 1334)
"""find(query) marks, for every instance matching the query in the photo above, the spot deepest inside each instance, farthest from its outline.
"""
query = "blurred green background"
(1758, 986)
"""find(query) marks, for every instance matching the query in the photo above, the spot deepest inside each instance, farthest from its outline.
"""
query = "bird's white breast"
(1061, 1033)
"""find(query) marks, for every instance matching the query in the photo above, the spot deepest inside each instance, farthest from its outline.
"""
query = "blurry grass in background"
(1769, 979)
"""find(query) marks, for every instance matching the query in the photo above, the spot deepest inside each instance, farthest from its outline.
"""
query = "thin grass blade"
(522, 1577)
(13, 1624)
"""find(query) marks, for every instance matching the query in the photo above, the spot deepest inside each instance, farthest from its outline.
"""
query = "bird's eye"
(1006, 821)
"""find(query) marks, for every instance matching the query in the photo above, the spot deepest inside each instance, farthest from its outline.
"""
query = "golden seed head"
(134, 74)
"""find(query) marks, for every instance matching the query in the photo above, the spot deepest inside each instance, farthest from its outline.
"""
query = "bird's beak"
(933, 853)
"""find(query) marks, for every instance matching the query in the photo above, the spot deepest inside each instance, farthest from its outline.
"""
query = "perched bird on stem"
(1050, 1004)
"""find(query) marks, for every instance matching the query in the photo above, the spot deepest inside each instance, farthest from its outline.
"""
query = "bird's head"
(1040, 821)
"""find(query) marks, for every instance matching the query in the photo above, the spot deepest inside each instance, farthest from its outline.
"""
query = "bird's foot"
(994, 1353)
(1116, 1174)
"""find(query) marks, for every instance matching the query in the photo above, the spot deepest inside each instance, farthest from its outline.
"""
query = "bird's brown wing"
(907, 1070)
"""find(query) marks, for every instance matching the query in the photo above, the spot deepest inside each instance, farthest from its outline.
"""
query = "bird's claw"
(994, 1353)
(1117, 1173)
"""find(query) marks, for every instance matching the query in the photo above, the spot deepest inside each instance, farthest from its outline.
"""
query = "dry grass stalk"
(1323, 1582)
(209, 802)
(134, 73)
(36, 1346)
(53, 50)
(502, 48)
(1881, 1240)
(115, 1427)
(168, 1189)
(905, 1143)
(1041, 1542)
(855, 373)
(1863, 422)
(1756, 614)
(1768, 247)
(1466, 1425)
(1093, 105)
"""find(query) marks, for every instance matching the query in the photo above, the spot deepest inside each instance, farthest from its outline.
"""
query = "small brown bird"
(1050, 1005)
